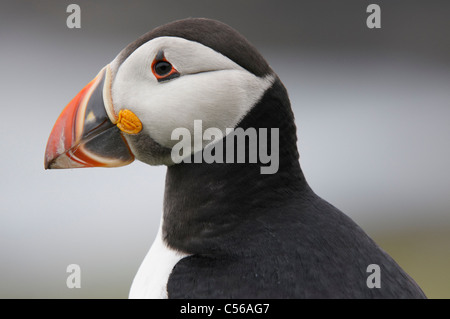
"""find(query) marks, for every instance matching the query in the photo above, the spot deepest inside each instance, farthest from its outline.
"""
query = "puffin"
(245, 224)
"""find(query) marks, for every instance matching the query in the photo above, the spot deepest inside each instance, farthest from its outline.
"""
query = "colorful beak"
(86, 134)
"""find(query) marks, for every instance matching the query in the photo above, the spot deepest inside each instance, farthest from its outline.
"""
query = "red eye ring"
(162, 69)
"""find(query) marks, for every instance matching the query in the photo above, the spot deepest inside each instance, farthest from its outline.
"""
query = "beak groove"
(85, 134)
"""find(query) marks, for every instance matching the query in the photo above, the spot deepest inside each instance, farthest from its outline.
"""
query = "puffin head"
(188, 70)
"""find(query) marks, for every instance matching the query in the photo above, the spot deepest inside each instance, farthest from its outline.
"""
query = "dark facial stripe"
(214, 34)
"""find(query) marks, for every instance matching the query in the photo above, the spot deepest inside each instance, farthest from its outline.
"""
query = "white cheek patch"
(211, 88)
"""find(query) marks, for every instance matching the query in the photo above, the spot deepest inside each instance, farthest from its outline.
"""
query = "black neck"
(203, 202)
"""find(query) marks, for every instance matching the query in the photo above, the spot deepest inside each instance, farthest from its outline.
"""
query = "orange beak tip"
(84, 136)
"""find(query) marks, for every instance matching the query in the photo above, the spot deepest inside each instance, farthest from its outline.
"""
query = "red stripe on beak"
(63, 135)
(84, 136)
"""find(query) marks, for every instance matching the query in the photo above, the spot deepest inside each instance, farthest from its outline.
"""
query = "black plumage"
(268, 236)
(253, 235)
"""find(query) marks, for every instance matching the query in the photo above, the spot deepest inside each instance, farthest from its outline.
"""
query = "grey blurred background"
(372, 109)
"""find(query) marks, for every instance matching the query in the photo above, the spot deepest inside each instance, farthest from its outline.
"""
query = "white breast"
(151, 279)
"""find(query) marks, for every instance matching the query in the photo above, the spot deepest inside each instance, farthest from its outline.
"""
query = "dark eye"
(163, 68)
(164, 71)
